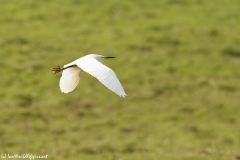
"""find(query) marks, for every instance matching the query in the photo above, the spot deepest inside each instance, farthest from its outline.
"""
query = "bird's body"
(91, 64)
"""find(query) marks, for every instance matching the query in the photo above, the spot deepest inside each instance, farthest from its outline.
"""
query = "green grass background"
(178, 61)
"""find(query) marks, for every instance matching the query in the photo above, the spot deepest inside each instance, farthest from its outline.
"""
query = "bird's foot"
(57, 69)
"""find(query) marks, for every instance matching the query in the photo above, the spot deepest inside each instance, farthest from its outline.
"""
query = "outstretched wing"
(104, 74)
(70, 79)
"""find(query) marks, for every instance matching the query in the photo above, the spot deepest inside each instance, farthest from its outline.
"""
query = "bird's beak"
(108, 57)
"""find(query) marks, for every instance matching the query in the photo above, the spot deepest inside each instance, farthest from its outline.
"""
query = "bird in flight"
(92, 64)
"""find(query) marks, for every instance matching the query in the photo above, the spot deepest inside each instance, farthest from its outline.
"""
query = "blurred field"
(178, 61)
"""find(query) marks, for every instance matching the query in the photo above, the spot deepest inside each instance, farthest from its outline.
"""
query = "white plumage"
(70, 79)
(91, 64)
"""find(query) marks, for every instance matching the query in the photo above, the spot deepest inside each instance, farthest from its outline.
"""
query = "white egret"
(92, 64)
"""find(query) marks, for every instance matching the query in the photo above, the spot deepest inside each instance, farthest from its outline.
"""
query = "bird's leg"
(58, 69)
